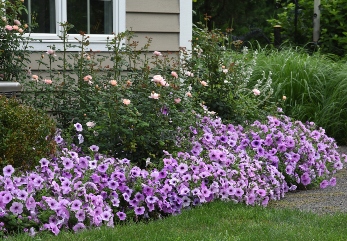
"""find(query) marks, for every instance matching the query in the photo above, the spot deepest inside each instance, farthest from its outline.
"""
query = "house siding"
(157, 19)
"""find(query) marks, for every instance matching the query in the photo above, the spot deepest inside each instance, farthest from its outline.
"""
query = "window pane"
(90, 16)
(41, 15)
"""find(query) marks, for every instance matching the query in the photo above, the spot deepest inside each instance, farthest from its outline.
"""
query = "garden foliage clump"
(26, 134)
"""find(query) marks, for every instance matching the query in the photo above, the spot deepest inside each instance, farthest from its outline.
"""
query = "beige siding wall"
(158, 19)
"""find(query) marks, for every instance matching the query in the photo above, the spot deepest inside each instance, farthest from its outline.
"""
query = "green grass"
(221, 221)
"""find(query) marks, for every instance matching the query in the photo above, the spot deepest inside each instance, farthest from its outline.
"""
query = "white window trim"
(97, 41)
(186, 24)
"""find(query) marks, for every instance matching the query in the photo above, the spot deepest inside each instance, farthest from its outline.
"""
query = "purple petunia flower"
(332, 181)
(139, 210)
(78, 127)
(324, 184)
(78, 227)
(122, 216)
(182, 168)
(75, 205)
(94, 148)
(8, 170)
(16, 208)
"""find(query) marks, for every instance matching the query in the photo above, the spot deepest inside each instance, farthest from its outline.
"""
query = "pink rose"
(20, 30)
(47, 81)
(203, 83)
(174, 74)
(35, 77)
(87, 78)
(113, 82)
(189, 94)
(8, 27)
(177, 100)
(256, 92)
(17, 22)
(154, 96)
(15, 27)
(157, 78)
(126, 101)
(157, 53)
(51, 52)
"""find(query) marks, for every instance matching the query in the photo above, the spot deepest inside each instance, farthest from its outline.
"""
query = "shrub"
(135, 107)
(219, 73)
(25, 134)
(14, 53)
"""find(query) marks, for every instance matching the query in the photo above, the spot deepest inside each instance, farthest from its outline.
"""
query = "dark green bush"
(26, 134)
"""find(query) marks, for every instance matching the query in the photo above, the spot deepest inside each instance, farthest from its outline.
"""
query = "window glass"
(90, 16)
(41, 15)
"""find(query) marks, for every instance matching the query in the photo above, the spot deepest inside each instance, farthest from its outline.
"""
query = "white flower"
(90, 124)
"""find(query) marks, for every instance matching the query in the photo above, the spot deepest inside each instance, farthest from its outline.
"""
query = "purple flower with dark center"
(139, 197)
(338, 165)
(261, 192)
(80, 215)
(78, 127)
(332, 181)
(151, 199)
(122, 216)
(30, 203)
(162, 174)
(208, 137)
(75, 205)
(238, 192)
(182, 168)
(164, 110)
(22, 195)
(44, 162)
(68, 163)
(113, 184)
(78, 227)
(94, 148)
(139, 210)
(223, 139)
(282, 147)
(52, 203)
(58, 139)
(148, 191)
(102, 168)
(305, 179)
(324, 184)
(214, 155)
(93, 164)
(289, 170)
(193, 130)
(255, 143)
(250, 199)
(8, 170)
(16, 208)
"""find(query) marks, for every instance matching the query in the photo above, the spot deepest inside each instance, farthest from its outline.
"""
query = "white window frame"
(97, 41)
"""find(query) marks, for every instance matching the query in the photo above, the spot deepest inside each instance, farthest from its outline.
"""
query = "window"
(96, 18)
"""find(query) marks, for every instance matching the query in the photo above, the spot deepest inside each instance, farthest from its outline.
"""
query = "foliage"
(134, 106)
(243, 18)
(14, 53)
(73, 191)
(314, 87)
(333, 35)
(219, 73)
(25, 134)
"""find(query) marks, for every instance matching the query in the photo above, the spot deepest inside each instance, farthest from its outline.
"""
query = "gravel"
(330, 200)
